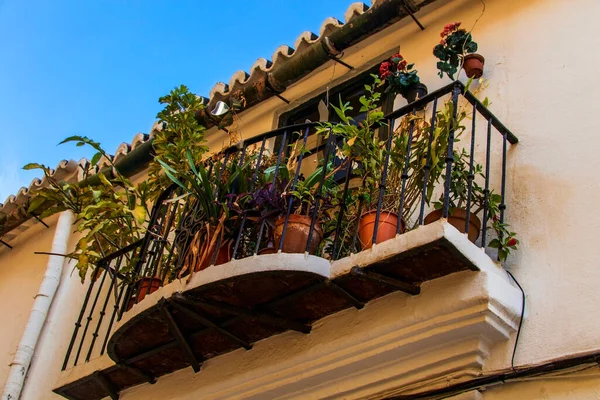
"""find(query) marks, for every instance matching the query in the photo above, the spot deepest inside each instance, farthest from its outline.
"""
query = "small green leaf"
(35, 203)
(31, 166)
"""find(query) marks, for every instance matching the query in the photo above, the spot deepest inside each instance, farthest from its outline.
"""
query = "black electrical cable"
(512, 361)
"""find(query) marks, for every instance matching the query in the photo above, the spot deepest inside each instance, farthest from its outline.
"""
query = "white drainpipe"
(37, 317)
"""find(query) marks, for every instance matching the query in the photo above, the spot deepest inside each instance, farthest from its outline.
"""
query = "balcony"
(252, 284)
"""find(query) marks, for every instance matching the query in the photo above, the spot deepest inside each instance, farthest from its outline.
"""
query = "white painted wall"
(541, 58)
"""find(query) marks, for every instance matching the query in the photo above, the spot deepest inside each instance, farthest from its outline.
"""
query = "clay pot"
(296, 234)
(457, 218)
(268, 250)
(223, 256)
(143, 287)
(473, 65)
(388, 223)
(414, 92)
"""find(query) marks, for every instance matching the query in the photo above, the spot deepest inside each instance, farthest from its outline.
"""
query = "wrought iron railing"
(269, 170)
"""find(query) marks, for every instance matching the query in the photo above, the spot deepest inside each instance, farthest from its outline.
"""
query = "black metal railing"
(262, 184)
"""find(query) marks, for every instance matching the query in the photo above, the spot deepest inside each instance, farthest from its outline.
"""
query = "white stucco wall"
(541, 66)
(541, 58)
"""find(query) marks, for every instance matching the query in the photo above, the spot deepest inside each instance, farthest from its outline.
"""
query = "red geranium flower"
(384, 69)
(449, 28)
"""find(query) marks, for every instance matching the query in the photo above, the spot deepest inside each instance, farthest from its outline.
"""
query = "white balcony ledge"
(397, 342)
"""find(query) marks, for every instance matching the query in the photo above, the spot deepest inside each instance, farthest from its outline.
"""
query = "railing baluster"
(471, 175)
(450, 156)
(78, 323)
(260, 233)
(427, 167)
(104, 305)
(404, 176)
(273, 184)
(486, 191)
(502, 205)
(89, 317)
(113, 316)
(319, 191)
(279, 156)
(295, 181)
(383, 180)
(342, 211)
(252, 184)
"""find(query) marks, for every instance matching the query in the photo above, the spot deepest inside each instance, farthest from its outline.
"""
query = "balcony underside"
(234, 305)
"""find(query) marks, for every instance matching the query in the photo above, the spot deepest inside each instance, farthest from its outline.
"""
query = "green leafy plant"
(361, 145)
(454, 45)
(211, 202)
(505, 240)
(181, 133)
(109, 210)
(398, 74)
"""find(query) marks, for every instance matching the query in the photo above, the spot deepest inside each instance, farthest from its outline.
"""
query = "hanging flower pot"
(473, 65)
(414, 92)
(457, 217)
(296, 234)
(388, 224)
(402, 78)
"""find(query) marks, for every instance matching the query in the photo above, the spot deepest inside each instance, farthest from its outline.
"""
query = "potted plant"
(362, 147)
(401, 78)
(459, 193)
(455, 50)
(505, 240)
(211, 206)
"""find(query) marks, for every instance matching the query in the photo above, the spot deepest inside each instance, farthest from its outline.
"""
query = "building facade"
(461, 332)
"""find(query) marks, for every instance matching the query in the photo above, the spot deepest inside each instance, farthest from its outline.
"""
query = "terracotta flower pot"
(414, 92)
(223, 256)
(473, 65)
(388, 223)
(296, 234)
(457, 219)
(143, 287)
(267, 250)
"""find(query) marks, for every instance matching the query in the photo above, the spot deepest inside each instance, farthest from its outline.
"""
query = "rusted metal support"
(407, 7)
(209, 324)
(144, 375)
(334, 53)
(385, 280)
(294, 295)
(351, 299)
(259, 316)
(39, 220)
(106, 385)
(181, 340)
(275, 92)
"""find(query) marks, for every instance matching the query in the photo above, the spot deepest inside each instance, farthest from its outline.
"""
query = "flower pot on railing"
(267, 250)
(143, 286)
(386, 229)
(473, 65)
(414, 92)
(296, 234)
(457, 217)
(223, 256)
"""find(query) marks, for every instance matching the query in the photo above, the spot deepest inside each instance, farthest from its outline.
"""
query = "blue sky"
(98, 67)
